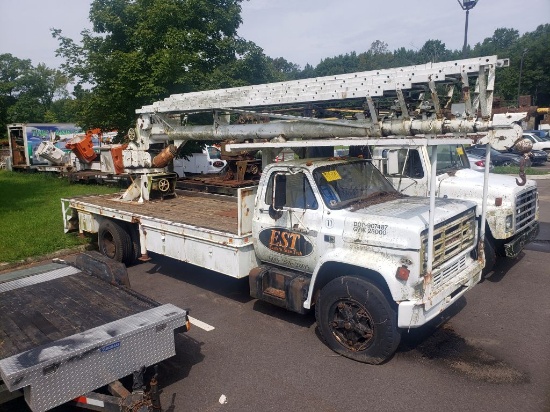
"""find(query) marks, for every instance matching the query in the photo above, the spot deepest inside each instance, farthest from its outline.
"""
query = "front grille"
(526, 207)
(441, 277)
(450, 238)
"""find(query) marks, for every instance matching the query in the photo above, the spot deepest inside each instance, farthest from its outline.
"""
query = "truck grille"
(450, 238)
(526, 207)
(441, 277)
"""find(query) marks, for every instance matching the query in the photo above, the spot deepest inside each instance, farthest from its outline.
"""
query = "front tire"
(357, 321)
(114, 241)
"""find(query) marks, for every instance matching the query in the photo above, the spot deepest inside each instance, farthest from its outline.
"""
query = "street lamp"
(466, 5)
(520, 71)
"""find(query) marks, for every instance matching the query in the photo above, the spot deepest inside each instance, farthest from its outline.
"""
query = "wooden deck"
(209, 211)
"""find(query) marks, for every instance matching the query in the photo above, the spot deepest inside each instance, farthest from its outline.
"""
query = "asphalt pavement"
(488, 352)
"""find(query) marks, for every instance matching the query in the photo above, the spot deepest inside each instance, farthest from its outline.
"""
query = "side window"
(409, 164)
(299, 194)
(413, 166)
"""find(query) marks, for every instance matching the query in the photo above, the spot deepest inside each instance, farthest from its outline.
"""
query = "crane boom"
(402, 101)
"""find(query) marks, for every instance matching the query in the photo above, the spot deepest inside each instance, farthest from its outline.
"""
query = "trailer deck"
(64, 332)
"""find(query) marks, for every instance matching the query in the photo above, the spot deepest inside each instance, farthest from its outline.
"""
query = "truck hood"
(399, 223)
(468, 184)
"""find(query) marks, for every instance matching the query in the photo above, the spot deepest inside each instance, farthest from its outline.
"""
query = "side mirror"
(279, 196)
(279, 192)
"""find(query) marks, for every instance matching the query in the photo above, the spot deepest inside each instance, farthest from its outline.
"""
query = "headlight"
(509, 222)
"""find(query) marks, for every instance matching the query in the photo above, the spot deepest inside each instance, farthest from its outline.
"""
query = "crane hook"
(522, 172)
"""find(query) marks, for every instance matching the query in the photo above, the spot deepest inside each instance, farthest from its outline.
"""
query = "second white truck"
(512, 210)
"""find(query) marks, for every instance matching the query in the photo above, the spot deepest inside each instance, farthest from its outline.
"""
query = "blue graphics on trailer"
(59, 134)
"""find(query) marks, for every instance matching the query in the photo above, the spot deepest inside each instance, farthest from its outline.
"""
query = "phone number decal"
(370, 228)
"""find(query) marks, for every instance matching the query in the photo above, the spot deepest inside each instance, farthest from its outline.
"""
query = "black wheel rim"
(351, 325)
(108, 245)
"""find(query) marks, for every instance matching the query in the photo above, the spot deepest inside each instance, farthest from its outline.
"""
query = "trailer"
(67, 330)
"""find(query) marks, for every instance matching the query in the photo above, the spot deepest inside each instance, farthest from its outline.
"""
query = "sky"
(301, 31)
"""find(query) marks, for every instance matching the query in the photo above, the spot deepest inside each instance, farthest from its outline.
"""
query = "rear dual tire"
(119, 241)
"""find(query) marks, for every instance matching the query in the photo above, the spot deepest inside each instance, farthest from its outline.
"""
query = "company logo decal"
(112, 346)
(284, 241)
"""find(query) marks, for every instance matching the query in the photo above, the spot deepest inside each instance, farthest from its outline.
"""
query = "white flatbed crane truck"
(330, 234)
(66, 331)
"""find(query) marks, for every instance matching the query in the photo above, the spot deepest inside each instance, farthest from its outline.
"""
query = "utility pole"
(520, 72)
(466, 5)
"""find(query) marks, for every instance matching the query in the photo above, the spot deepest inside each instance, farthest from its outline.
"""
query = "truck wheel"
(357, 321)
(114, 242)
(135, 253)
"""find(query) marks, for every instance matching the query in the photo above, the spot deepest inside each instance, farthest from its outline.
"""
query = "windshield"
(214, 152)
(356, 182)
(450, 157)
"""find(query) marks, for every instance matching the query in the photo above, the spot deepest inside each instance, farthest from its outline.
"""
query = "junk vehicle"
(28, 141)
(67, 330)
(324, 233)
(65, 149)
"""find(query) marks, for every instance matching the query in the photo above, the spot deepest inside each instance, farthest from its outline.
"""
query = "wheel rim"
(352, 325)
(164, 185)
(108, 245)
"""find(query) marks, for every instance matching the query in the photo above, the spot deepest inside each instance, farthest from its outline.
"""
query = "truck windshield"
(356, 183)
(450, 157)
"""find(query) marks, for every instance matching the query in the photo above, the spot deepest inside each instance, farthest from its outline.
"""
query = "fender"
(372, 258)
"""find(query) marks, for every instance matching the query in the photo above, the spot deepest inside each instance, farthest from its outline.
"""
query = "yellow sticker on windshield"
(459, 150)
(331, 175)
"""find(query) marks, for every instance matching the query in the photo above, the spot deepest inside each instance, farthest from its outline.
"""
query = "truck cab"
(512, 210)
(322, 224)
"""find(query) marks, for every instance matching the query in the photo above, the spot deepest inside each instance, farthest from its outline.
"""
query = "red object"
(402, 273)
(116, 154)
(82, 147)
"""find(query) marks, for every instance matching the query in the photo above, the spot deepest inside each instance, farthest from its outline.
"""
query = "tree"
(27, 93)
(142, 50)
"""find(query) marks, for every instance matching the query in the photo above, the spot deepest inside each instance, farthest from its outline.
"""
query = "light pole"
(520, 71)
(466, 5)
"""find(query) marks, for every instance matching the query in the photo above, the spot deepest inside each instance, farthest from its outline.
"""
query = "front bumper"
(513, 248)
(412, 314)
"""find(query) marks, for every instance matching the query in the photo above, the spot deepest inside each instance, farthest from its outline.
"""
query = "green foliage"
(514, 170)
(142, 50)
(27, 93)
(30, 207)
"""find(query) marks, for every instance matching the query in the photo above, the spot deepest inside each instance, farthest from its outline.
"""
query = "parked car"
(207, 162)
(477, 163)
(538, 142)
(538, 157)
(543, 134)
(497, 158)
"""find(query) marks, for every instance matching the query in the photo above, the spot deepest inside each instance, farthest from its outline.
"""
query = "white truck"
(512, 210)
(330, 234)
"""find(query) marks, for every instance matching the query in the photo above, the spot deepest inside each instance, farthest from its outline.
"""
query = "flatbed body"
(209, 230)
(64, 332)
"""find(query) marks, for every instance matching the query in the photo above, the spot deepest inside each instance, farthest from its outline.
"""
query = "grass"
(514, 170)
(31, 222)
